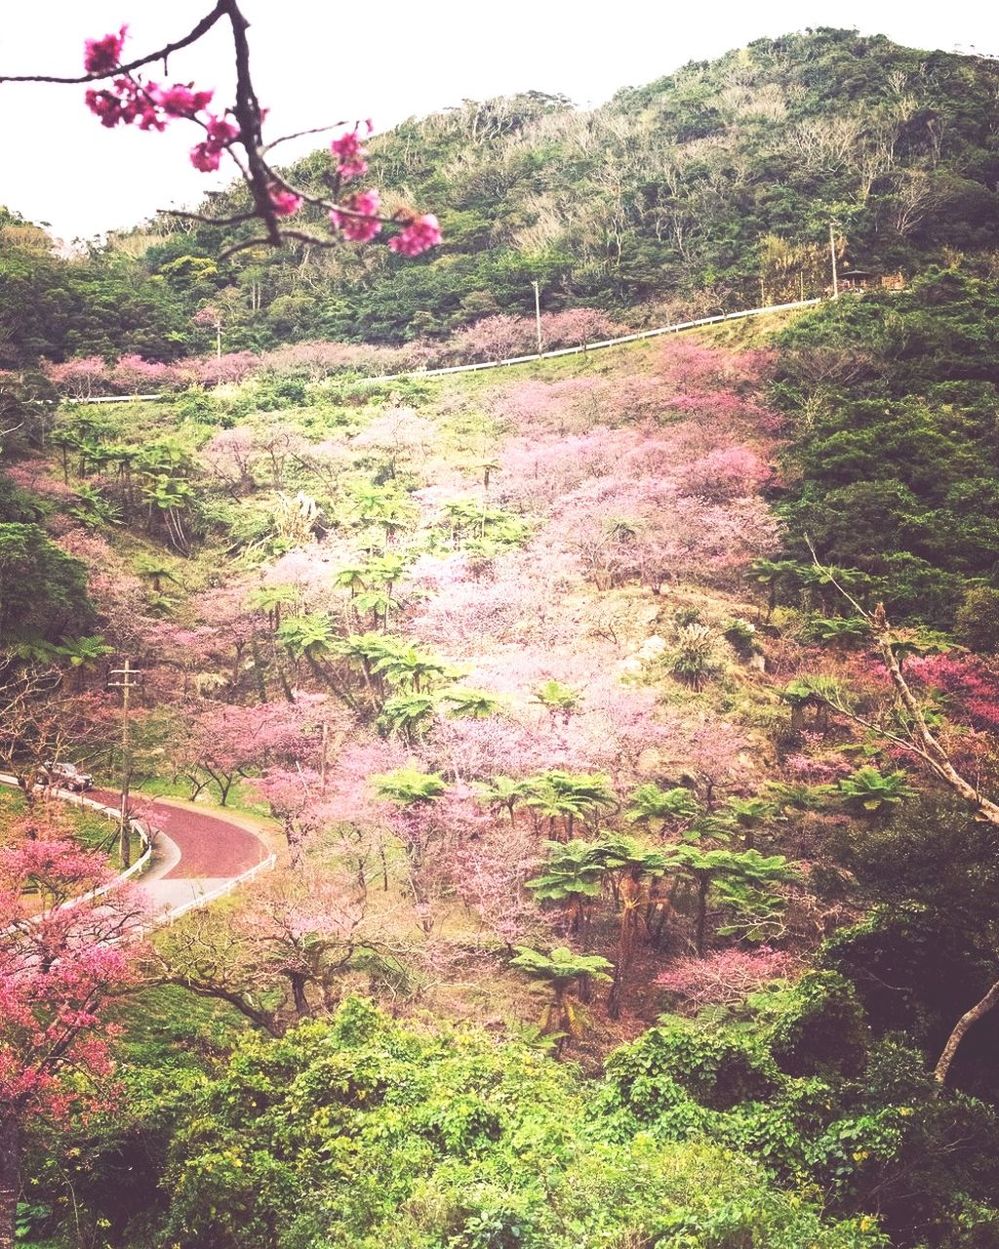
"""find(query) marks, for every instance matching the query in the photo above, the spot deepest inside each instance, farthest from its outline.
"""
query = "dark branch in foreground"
(202, 28)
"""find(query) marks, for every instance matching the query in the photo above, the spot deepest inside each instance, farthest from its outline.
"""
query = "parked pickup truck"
(66, 776)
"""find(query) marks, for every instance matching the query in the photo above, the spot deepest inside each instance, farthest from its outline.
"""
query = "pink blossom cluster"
(350, 153)
(86, 376)
(812, 770)
(316, 360)
(418, 236)
(502, 336)
(56, 975)
(103, 56)
(724, 976)
(284, 202)
(691, 366)
(207, 155)
(971, 683)
(358, 217)
(129, 100)
(31, 475)
(726, 473)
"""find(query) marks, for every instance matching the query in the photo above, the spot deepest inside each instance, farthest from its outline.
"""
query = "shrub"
(821, 1029)
(977, 619)
(717, 1069)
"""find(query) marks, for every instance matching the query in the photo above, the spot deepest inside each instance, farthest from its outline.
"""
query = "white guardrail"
(111, 813)
(146, 838)
(174, 913)
(583, 348)
(580, 349)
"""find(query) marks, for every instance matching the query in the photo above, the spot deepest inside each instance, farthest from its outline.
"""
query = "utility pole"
(537, 312)
(129, 680)
(832, 252)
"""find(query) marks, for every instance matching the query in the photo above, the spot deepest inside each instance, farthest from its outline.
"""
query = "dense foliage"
(532, 682)
(359, 1132)
(709, 189)
(894, 467)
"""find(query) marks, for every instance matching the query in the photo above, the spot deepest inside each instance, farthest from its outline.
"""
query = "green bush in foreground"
(365, 1134)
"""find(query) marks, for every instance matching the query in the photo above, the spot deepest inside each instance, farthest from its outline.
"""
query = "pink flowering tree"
(722, 977)
(231, 457)
(502, 336)
(60, 965)
(121, 95)
(80, 378)
(223, 741)
(300, 798)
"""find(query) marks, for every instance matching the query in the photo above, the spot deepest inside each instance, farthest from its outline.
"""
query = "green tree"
(560, 971)
(872, 792)
(567, 797)
(43, 591)
(406, 785)
(572, 876)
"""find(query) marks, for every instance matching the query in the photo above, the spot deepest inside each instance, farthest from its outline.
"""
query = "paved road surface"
(193, 854)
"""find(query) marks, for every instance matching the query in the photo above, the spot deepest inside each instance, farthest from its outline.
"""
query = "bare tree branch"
(922, 743)
(245, 147)
(202, 28)
(967, 1020)
(921, 740)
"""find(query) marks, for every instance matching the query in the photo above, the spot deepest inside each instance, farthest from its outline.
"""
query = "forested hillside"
(615, 734)
(533, 688)
(893, 469)
(710, 189)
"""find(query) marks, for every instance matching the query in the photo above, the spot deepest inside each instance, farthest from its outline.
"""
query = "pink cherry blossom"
(285, 203)
(128, 102)
(221, 130)
(180, 100)
(206, 157)
(105, 106)
(724, 976)
(361, 228)
(57, 975)
(101, 56)
(350, 155)
(421, 234)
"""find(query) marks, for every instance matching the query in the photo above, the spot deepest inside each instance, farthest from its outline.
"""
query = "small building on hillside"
(858, 280)
(867, 280)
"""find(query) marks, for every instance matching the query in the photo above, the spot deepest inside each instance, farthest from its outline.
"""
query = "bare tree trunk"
(298, 982)
(10, 1178)
(925, 745)
(928, 748)
(967, 1021)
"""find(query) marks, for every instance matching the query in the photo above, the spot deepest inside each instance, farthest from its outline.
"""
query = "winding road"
(196, 857)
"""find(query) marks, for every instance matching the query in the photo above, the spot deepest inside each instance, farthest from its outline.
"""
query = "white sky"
(317, 62)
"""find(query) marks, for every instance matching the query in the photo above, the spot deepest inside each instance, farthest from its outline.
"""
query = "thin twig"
(301, 134)
(202, 28)
(215, 221)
